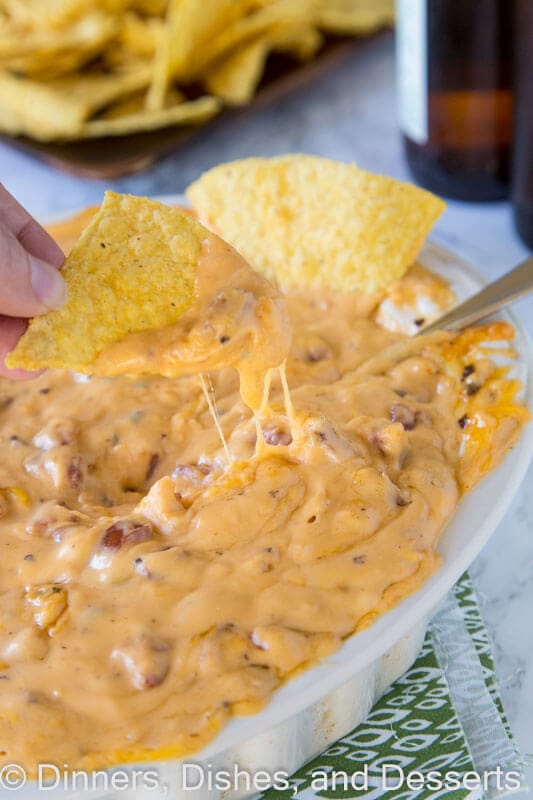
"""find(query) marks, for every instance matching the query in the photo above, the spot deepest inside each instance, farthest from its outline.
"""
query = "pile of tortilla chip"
(81, 69)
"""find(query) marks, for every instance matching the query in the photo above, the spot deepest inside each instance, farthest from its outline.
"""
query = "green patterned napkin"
(439, 731)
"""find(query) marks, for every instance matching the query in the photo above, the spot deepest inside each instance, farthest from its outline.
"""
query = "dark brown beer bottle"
(522, 159)
(455, 97)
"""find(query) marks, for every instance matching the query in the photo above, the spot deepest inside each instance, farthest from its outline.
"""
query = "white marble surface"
(350, 114)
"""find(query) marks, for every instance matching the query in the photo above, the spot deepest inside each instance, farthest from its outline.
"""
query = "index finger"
(30, 234)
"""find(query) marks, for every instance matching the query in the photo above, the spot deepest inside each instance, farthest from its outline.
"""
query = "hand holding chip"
(29, 278)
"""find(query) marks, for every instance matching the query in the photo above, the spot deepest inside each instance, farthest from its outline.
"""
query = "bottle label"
(412, 71)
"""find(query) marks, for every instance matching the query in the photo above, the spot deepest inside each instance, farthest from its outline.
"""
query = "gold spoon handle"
(514, 284)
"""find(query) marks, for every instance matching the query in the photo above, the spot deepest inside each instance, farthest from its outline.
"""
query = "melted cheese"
(209, 394)
(150, 589)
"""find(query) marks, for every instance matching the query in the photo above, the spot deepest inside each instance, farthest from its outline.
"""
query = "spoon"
(514, 284)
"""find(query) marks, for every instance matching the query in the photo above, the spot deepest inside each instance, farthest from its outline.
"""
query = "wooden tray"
(115, 156)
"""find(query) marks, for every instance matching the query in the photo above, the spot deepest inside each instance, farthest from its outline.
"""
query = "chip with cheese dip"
(151, 291)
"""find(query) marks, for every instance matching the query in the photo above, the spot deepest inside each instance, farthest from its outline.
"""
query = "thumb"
(28, 286)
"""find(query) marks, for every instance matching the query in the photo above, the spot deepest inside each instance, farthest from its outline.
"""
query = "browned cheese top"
(151, 588)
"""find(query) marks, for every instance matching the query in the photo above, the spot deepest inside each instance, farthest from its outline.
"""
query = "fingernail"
(47, 283)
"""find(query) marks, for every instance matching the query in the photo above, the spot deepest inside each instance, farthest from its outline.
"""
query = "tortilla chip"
(136, 41)
(188, 32)
(136, 103)
(50, 53)
(133, 269)
(235, 76)
(303, 42)
(307, 221)
(234, 79)
(59, 14)
(268, 20)
(52, 14)
(56, 109)
(354, 16)
(189, 113)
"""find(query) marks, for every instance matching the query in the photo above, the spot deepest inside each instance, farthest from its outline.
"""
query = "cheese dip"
(152, 588)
